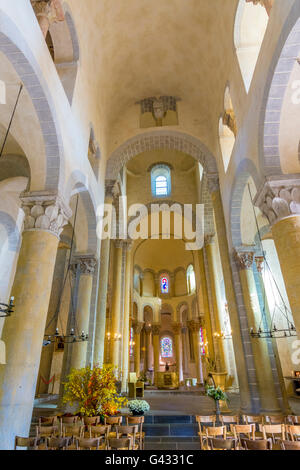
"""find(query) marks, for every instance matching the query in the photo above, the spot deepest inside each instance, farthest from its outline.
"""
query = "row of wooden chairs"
(248, 444)
(252, 419)
(65, 443)
(230, 429)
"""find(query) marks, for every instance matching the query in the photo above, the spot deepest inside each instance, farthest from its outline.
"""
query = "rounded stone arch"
(167, 309)
(160, 140)
(148, 313)
(182, 307)
(64, 40)
(245, 170)
(16, 50)
(148, 283)
(88, 207)
(278, 78)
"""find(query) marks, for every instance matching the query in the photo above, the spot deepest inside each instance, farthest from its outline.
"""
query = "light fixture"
(73, 336)
(274, 332)
(7, 309)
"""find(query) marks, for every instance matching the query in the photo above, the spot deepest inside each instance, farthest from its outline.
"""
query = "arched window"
(164, 284)
(191, 280)
(161, 180)
(250, 26)
(166, 347)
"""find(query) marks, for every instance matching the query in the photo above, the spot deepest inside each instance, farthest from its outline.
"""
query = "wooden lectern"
(135, 388)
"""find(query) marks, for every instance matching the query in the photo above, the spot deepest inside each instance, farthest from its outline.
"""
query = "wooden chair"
(119, 444)
(227, 421)
(293, 432)
(262, 444)
(214, 443)
(113, 421)
(87, 444)
(91, 420)
(274, 432)
(128, 432)
(291, 419)
(140, 435)
(215, 432)
(102, 432)
(290, 445)
(72, 431)
(57, 443)
(68, 419)
(240, 431)
(276, 419)
(253, 419)
(47, 431)
(48, 421)
(204, 421)
(29, 442)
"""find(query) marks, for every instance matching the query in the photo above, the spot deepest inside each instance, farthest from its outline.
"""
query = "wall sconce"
(7, 309)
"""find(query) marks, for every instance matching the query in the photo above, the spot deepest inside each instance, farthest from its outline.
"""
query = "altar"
(167, 380)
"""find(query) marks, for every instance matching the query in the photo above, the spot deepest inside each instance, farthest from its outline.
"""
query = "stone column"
(281, 390)
(204, 293)
(279, 200)
(116, 305)
(47, 12)
(127, 314)
(177, 327)
(216, 301)
(84, 266)
(241, 364)
(185, 360)
(267, 393)
(194, 326)
(148, 331)
(52, 317)
(137, 328)
(45, 216)
(156, 348)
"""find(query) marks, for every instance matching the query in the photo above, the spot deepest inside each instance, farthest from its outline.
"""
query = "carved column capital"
(279, 197)
(156, 328)
(127, 245)
(177, 327)
(137, 327)
(213, 182)
(87, 263)
(244, 259)
(195, 325)
(45, 211)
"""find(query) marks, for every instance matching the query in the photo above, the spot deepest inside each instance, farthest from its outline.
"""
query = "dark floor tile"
(172, 419)
(188, 446)
(183, 430)
(165, 446)
(156, 430)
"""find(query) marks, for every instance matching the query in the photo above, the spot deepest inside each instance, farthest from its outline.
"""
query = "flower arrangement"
(216, 393)
(138, 406)
(94, 390)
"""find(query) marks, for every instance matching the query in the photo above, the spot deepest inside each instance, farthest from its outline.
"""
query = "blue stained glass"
(164, 285)
(166, 347)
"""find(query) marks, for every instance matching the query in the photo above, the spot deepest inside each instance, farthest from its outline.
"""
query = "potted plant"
(138, 407)
(94, 391)
(217, 394)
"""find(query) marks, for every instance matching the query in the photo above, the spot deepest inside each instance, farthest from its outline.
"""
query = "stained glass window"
(166, 347)
(131, 342)
(164, 285)
(202, 344)
(161, 180)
